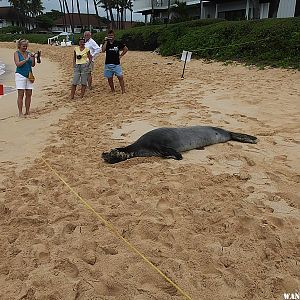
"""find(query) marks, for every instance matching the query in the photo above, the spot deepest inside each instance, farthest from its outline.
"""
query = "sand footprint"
(68, 268)
(163, 205)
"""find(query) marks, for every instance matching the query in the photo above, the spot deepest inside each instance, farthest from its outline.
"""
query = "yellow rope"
(118, 235)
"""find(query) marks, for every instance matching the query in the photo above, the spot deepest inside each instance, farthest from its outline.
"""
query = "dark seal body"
(170, 142)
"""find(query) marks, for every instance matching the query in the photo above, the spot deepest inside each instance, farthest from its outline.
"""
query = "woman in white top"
(81, 61)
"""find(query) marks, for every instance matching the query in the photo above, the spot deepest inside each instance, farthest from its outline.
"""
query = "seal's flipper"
(200, 148)
(170, 152)
(243, 138)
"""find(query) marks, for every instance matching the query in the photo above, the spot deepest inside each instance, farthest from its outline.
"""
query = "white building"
(223, 9)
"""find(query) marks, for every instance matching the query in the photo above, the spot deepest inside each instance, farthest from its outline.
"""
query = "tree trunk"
(73, 14)
(65, 19)
(62, 11)
(169, 7)
(79, 14)
(113, 23)
(72, 25)
(122, 17)
(107, 15)
(152, 11)
(97, 14)
(88, 14)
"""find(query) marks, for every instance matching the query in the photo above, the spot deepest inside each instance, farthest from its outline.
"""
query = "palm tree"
(20, 7)
(104, 5)
(35, 8)
(180, 11)
(108, 5)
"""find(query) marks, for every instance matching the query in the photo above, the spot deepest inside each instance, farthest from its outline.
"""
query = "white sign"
(186, 56)
(293, 296)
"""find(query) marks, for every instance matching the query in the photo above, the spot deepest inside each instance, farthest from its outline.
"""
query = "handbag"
(31, 77)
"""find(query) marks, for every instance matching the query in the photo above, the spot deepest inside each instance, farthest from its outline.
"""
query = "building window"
(297, 9)
(233, 15)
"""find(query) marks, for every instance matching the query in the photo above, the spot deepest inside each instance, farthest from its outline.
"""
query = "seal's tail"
(243, 138)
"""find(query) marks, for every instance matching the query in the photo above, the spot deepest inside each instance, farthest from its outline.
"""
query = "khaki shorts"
(80, 74)
(91, 67)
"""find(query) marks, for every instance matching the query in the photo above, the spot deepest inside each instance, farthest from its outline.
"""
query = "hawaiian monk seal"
(169, 142)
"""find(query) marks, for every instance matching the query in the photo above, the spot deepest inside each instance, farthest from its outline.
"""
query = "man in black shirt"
(112, 60)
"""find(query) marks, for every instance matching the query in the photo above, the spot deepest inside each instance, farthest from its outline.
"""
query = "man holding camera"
(95, 50)
(112, 60)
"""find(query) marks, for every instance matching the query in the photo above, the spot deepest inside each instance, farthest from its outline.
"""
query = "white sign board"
(186, 56)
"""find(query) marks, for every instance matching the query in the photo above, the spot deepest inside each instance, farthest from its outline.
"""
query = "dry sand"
(21, 140)
(223, 223)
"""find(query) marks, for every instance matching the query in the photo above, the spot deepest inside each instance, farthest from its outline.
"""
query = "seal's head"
(114, 156)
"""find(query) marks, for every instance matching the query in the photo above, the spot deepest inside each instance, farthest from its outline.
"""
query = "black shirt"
(113, 52)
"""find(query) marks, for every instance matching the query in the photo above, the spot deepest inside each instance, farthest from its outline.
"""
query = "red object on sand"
(1, 90)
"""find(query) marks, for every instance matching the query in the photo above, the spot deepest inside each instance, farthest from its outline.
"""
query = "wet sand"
(223, 223)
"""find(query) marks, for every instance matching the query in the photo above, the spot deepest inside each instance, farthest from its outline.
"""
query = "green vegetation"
(270, 42)
(12, 29)
(32, 37)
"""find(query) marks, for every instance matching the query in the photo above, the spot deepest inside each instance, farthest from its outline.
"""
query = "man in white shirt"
(95, 49)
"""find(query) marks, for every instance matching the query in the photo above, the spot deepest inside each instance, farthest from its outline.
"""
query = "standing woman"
(24, 61)
(81, 62)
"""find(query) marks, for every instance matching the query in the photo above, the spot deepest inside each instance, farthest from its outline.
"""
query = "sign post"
(186, 57)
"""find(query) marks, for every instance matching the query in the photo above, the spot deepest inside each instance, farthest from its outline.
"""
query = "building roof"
(86, 20)
(8, 13)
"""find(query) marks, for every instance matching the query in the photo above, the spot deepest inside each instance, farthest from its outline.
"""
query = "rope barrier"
(118, 235)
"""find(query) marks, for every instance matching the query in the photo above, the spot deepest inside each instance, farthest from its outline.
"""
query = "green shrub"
(32, 37)
(274, 42)
(12, 29)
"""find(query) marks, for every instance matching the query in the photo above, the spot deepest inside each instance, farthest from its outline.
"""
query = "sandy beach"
(223, 223)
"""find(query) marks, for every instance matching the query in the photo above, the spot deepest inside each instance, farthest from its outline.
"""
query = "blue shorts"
(110, 70)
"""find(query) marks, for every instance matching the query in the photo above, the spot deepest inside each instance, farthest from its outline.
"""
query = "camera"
(38, 57)
(79, 56)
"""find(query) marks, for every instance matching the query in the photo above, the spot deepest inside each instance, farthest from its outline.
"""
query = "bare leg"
(28, 94)
(111, 83)
(90, 80)
(73, 90)
(20, 102)
(122, 84)
(83, 88)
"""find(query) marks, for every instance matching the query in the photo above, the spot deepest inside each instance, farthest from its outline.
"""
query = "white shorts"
(22, 83)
